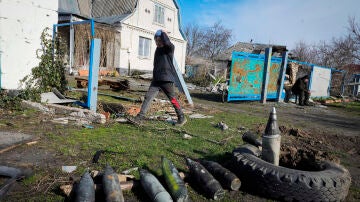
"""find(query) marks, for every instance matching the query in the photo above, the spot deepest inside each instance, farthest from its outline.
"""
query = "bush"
(202, 81)
(50, 72)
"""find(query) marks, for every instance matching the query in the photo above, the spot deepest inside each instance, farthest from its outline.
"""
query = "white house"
(135, 23)
(21, 24)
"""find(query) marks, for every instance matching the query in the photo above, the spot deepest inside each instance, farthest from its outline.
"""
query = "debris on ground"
(68, 169)
(63, 121)
(222, 125)
(128, 171)
(186, 136)
(200, 116)
(55, 97)
(38, 106)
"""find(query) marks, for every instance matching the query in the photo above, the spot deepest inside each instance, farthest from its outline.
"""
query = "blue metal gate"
(246, 77)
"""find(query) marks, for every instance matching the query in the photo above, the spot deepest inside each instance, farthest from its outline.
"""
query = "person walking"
(163, 78)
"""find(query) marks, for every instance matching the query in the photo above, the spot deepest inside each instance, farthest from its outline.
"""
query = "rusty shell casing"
(173, 180)
(85, 190)
(211, 187)
(111, 186)
(226, 178)
(153, 187)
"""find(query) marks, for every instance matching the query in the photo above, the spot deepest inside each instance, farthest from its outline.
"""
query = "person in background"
(163, 78)
(301, 90)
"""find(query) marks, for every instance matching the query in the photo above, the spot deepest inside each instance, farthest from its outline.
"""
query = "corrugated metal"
(112, 19)
(105, 8)
(69, 6)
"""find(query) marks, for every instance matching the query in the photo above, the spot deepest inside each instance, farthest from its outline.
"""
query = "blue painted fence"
(246, 77)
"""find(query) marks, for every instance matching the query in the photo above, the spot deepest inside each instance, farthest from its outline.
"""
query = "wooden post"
(266, 75)
(282, 76)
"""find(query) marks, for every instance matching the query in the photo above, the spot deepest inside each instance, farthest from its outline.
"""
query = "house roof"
(249, 48)
(97, 8)
(105, 11)
(106, 8)
(112, 19)
(69, 7)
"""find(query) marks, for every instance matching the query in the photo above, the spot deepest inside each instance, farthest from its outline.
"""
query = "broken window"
(144, 47)
(159, 14)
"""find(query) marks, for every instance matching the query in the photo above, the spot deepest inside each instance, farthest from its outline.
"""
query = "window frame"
(143, 50)
(158, 10)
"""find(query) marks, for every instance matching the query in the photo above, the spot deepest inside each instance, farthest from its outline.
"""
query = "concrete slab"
(9, 140)
(52, 98)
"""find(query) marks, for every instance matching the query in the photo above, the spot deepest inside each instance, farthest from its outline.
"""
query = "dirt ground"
(313, 133)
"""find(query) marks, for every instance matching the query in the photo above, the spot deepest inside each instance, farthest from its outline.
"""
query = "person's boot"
(181, 118)
(137, 120)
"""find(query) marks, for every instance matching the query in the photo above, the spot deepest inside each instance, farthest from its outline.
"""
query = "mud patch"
(303, 159)
(302, 150)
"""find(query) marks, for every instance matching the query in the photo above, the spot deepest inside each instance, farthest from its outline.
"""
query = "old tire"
(331, 183)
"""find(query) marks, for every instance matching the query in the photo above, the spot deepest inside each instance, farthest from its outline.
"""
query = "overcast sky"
(281, 22)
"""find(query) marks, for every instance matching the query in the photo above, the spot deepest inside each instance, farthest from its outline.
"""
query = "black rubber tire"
(330, 184)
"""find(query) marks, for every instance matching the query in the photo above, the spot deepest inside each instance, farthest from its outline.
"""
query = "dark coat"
(300, 85)
(163, 60)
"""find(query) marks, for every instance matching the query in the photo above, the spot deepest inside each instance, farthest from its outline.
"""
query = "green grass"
(349, 107)
(144, 146)
(129, 146)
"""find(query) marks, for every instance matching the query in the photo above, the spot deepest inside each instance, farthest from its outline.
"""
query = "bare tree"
(216, 39)
(336, 53)
(354, 29)
(194, 36)
(304, 52)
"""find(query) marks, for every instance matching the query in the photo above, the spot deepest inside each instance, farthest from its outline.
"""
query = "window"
(144, 47)
(159, 14)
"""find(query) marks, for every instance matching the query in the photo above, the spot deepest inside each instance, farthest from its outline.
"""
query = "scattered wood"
(31, 143)
(28, 142)
(116, 84)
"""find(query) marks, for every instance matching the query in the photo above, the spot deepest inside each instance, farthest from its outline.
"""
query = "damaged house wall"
(21, 25)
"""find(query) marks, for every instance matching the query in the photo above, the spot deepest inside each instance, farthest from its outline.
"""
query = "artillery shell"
(173, 180)
(85, 191)
(223, 175)
(205, 180)
(153, 188)
(111, 186)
